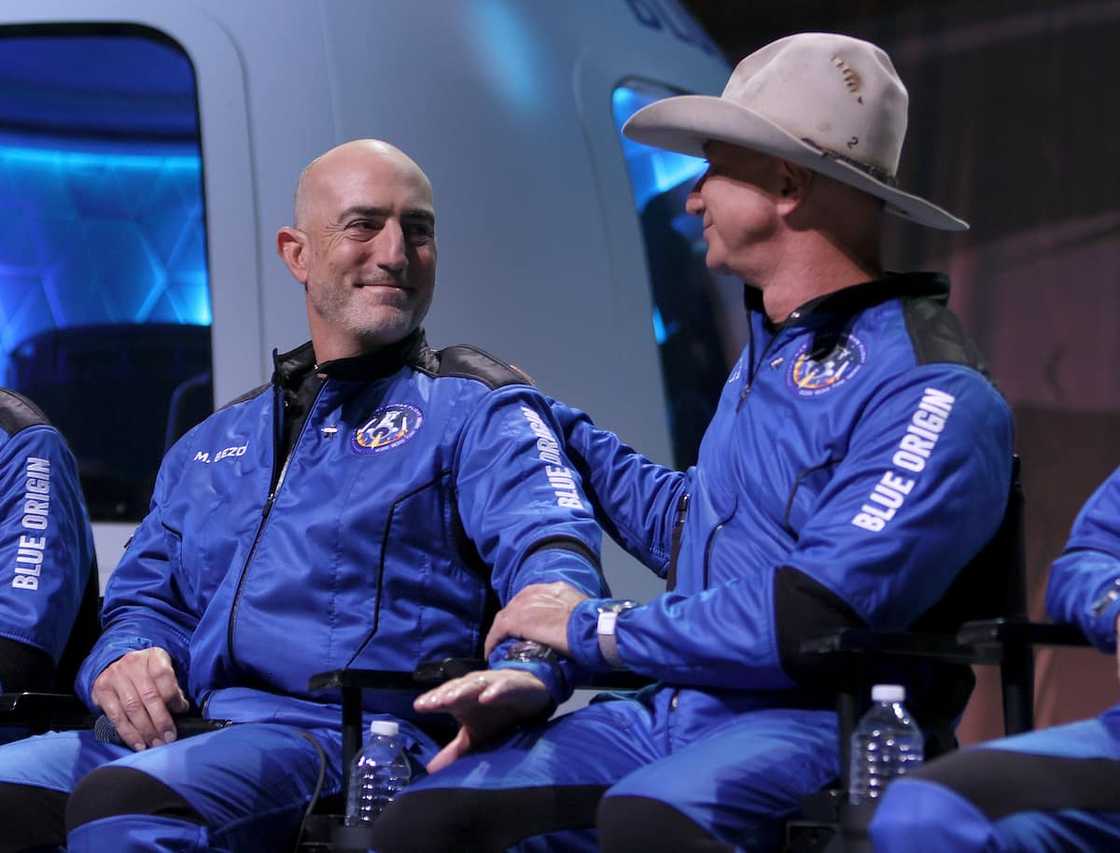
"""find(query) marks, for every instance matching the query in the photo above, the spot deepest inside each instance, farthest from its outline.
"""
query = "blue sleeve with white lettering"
(46, 544)
(523, 507)
(729, 635)
(634, 499)
(1084, 585)
(145, 606)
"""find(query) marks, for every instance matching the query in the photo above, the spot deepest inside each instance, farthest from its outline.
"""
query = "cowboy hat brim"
(685, 122)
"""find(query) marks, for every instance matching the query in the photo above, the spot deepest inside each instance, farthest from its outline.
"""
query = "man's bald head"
(342, 159)
(363, 247)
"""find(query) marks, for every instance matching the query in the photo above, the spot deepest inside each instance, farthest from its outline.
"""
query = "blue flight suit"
(422, 491)
(858, 459)
(1052, 790)
(46, 546)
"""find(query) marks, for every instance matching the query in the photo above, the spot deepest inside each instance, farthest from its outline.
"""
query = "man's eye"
(419, 234)
(364, 225)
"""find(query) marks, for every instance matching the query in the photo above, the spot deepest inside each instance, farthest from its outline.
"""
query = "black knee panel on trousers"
(113, 791)
(31, 817)
(469, 820)
(642, 825)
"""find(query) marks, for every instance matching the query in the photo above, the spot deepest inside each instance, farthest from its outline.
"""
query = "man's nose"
(389, 249)
(694, 204)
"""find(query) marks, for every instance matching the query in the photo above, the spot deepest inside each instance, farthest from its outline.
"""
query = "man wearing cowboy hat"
(858, 460)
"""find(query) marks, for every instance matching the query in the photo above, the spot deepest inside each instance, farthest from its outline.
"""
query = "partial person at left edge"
(46, 549)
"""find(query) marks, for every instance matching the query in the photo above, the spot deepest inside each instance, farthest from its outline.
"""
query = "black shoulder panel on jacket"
(472, 363)
(937, 335)
(18, 413)
(248, 395)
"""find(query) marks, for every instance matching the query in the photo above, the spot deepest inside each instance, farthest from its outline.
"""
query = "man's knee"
(115, 791)
(628, 824)
(31, 817)
(917, 815)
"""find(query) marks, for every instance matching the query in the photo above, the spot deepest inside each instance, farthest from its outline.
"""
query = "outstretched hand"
(138, 693)
(539, 612)
(486, 704)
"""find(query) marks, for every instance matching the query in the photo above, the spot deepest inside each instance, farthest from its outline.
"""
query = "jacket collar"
(291, 367)
(842, 304)
(830, 317)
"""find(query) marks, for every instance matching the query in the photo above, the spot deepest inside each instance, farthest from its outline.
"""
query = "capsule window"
(104, 288)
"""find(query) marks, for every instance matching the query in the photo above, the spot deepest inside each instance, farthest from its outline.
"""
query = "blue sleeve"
(886, 574)
(46, 544)
(146, 603)
(1084, 583)
(634, 499)
(522, 505)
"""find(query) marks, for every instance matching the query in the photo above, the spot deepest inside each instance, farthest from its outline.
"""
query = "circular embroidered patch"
(388, 427)
(811, 378)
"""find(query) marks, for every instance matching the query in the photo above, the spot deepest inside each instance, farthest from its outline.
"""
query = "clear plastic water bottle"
(377, 775)
(885, 745)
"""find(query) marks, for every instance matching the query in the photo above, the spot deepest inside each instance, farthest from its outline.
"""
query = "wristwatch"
(530, 651)
(608, 619)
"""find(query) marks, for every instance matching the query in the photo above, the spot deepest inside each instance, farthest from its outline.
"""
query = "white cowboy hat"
(831, 103)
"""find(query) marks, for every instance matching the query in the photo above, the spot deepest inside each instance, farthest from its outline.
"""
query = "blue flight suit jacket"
(424, 490)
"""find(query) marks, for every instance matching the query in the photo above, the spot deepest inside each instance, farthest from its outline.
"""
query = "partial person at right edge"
(46, 548)
(1055, 789)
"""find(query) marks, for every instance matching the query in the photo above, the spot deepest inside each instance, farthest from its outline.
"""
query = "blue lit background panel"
(91, 239)
(652, 171)
(101, 211)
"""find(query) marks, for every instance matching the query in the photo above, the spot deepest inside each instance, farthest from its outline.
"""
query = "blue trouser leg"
(744, 777)
(140, 834)
(1052, 790)
(248, 784)
(536, 792)
(543, 789)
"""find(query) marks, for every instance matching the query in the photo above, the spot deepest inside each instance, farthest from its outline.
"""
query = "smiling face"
(738, 199)
(363, 247)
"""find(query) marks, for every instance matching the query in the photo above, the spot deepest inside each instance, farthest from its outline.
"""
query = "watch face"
(616, 605)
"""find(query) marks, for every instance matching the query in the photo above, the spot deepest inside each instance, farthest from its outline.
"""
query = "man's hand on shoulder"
(486, 704)
(539, 612)
(138, 693)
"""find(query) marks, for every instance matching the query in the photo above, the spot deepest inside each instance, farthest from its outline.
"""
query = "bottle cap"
(388, 728)
(888, 693)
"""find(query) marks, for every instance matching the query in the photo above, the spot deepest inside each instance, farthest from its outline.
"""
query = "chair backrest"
(993, 584)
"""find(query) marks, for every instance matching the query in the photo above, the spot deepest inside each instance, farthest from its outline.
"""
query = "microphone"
(105, 732)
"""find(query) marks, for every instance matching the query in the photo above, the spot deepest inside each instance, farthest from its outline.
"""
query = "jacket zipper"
(755, 367)
(277, 427)
(675, 542)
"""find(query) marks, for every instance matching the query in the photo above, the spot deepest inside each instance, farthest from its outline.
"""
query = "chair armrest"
(427, 675)
(1019, 632)
(44, 711)
(865, 642)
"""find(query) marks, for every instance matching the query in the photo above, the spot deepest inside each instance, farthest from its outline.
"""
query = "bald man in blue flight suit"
(369, 507)
(1055, 789)
(46, 547)
(859, 458)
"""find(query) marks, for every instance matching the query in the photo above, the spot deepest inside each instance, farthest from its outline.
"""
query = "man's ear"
(291, 245)
(794, 183)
